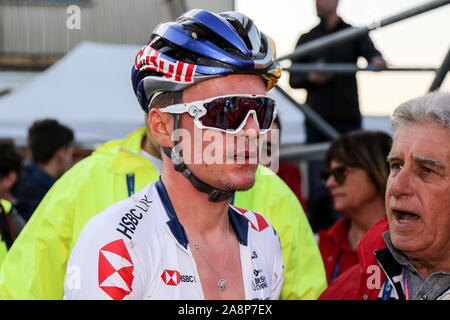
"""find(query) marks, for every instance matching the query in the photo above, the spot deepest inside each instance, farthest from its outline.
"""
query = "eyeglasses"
(229, 113)
(338, 173)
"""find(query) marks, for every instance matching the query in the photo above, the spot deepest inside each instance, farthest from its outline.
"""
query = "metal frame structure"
(317, 150)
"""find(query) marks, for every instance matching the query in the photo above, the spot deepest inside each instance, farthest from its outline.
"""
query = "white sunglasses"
(229, 113)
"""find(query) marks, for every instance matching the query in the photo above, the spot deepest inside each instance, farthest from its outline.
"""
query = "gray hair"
(434, 107)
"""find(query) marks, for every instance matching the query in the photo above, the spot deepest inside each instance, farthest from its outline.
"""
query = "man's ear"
(161, 126)
(59, 155)
(8, 181)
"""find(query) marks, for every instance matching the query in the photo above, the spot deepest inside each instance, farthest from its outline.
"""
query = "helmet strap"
(214, 194)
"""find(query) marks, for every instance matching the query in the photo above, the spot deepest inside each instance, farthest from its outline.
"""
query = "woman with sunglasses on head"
(356, 177)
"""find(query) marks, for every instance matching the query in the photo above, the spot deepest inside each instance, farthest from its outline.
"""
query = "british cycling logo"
(259, 280)
(115, 270)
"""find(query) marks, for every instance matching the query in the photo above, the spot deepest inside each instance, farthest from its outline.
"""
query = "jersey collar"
(239, 223)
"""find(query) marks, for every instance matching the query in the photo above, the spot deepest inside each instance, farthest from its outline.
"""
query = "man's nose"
(251, 127)
(331, 182)
(399, 183)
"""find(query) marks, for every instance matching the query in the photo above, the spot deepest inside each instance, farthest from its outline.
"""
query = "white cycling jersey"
(137, 249)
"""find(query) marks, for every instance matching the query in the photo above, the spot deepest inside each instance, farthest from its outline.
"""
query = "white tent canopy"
(90, 90)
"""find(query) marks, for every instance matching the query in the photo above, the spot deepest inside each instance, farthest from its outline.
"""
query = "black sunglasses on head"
(338, 173)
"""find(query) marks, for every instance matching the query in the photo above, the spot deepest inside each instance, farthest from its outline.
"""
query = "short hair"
(433, 107)
(165, 98)
(10, 159)
(363, 149)
(46, 137)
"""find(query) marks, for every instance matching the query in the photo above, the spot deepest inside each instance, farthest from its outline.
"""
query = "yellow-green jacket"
(35, 265)
(6, 205)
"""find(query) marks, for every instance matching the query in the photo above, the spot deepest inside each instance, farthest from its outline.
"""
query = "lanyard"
(388, 287)
(337, 266)
(130, 184)
(387, 290)
(405, 283)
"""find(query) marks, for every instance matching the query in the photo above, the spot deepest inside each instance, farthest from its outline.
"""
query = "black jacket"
(337, 100)
(32, 186)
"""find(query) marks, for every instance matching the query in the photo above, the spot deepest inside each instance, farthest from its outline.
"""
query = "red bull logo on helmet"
(151, 59)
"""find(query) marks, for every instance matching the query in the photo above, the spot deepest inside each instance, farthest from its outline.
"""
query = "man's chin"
(241, 183)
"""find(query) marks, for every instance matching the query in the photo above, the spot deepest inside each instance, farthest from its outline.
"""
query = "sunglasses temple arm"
(175, 109)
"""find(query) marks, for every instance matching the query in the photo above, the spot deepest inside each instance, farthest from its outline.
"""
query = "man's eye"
(395, 166)
(427, 170)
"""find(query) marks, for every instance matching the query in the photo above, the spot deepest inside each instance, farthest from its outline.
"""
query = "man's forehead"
(422, 142)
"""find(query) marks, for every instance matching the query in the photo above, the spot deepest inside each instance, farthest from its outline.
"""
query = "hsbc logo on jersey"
(171, 277)
(115, 270)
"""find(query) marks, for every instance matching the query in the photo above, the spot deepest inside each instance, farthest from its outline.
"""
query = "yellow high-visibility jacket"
(35, 265)
(6, 205)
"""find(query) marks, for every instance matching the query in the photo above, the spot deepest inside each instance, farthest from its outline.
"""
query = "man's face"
(325, 8)
(418, 191)
(224, 161)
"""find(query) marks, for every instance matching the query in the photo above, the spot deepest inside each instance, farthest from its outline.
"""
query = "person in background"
(333, 96)
(51, 146)
(357, 178)
(11, 223)
(288, 171)
(406, 255)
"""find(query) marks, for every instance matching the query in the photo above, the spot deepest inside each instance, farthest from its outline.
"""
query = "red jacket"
(336, 253)
(290, 173)
(364, 280)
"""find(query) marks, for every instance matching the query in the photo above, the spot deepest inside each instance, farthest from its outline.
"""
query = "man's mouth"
(404, 217)
(246, 155)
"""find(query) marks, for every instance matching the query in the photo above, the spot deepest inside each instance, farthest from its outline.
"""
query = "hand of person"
(378, 62)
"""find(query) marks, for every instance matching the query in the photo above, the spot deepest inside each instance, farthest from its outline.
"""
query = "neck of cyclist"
(195, 212)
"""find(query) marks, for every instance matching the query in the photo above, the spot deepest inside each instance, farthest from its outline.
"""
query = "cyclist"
(120, 168)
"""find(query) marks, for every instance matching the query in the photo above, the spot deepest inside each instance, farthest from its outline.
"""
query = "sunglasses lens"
(324, 175)
(229, 113)
(338, 174)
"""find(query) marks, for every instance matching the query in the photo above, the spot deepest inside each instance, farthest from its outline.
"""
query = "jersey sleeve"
(278, 270)
(103, 265)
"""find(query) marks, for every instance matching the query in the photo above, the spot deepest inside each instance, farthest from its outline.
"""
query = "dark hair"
(46, 137)
(366, 150)
(10, 159)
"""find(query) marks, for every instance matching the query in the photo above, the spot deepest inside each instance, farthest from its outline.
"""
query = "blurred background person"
(356, 177)
(333, 96)
(51, 147)
(11, 223)
(288, 171)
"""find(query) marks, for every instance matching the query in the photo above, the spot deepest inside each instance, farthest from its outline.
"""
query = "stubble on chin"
(242, 184)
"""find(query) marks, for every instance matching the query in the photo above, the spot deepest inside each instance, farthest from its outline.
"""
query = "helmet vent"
(216, 39)
(243, 31)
